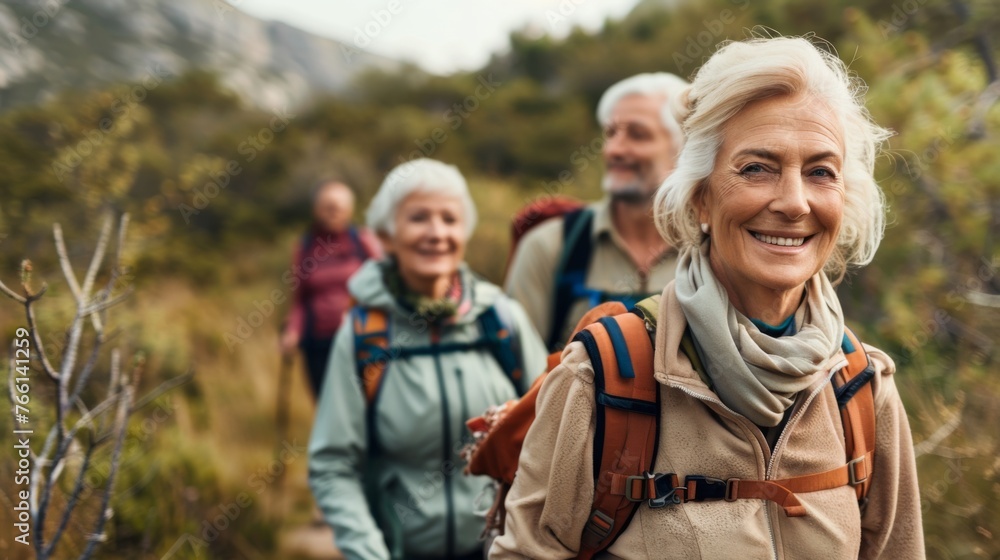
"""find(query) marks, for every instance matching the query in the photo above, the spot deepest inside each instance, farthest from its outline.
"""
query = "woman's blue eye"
(822, 172)
(753, 168)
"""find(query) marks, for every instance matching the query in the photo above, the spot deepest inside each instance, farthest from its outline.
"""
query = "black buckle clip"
(705, 488)
(658, 489)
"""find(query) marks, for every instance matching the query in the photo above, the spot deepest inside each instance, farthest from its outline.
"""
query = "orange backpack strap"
(371, 348)
(627, 419)
(496, 455)
(856, 399)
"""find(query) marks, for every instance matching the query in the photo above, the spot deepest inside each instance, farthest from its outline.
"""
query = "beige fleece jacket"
(553, 492)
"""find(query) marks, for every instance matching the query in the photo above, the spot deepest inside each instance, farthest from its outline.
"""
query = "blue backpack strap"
(501, 337)
(359, 246)
(571, 272)
(372, 356)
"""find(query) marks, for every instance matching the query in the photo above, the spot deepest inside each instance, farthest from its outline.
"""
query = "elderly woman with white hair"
(427, 343)
(777, 434)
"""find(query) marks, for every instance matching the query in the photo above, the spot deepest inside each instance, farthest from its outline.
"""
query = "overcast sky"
(440, 35)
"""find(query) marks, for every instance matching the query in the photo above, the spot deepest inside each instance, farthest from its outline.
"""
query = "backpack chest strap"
(662, 489)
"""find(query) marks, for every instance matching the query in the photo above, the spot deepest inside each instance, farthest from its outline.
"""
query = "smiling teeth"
(782, 241)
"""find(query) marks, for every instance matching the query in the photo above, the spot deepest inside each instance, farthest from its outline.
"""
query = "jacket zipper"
(446, 458)
(777, 444)
(796, 416)
(781, 438)
(464, 400)
(760, 440)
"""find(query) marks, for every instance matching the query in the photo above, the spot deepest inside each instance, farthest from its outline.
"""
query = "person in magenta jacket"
(324, 259)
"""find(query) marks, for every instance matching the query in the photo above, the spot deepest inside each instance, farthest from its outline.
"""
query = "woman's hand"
(289, 342)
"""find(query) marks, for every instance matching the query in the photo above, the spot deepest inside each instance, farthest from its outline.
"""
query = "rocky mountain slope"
(47, 46)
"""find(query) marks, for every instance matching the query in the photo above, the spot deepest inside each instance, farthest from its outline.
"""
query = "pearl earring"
(704, 228)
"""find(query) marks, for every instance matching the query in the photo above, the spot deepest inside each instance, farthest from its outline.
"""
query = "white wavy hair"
(742, 72)
(651, 84)
(423, 175)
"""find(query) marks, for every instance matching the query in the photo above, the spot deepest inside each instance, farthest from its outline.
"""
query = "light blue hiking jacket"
(424, 504)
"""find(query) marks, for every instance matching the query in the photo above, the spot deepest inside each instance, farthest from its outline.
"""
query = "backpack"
(571, 276)
(627, 418)
(574, 261)
(373, 350)
(534, 214)
(361, 250)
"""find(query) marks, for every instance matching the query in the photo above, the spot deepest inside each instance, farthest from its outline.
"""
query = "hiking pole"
(282, 405)
(281, 421)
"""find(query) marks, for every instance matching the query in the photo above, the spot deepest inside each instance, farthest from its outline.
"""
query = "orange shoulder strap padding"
(497, 455)
(371, 335)
(627, 421)
(858, 412)
(856, 400)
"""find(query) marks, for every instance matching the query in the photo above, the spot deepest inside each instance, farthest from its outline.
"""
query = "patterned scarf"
(434, 310)
(753, 373)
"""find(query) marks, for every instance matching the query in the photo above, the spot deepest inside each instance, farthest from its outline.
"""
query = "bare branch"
(98, 258)
(79, 295)
(88, 418)
(115, 374)
(61, 449)
(68, 363)
(939, 435)
(74, 498)
(119, 249)
(161, 389)
(114, 377)
(37, 471)
(101, 306)
(124, 404)
(81, 380)
(982, 300)
(11, 294)
(56, 464)
(29, 312)
(67, 267)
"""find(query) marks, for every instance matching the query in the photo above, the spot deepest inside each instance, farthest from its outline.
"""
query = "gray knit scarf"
(753, 373)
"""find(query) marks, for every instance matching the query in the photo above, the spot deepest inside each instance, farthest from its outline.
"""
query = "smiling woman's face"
(429, 240)
(775, 201)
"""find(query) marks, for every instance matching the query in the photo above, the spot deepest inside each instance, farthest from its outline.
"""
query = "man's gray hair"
(659, 84)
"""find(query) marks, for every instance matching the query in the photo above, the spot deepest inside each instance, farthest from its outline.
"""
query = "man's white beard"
(634, 191)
